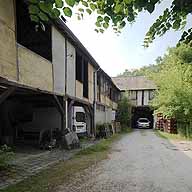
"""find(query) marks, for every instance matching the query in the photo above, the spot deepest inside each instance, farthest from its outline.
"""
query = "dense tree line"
(172, 74)
(174, 81)
(143, 71)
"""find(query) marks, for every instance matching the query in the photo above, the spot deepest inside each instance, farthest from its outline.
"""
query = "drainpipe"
(95, 100)
(65, 98)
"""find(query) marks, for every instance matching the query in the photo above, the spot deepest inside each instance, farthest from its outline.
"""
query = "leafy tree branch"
(117, 13)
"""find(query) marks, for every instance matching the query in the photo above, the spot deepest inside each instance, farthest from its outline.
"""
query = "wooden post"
(6, 94)
(61, 107)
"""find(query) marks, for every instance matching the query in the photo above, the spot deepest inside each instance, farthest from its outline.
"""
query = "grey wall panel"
(58, 51)
(71, 74)
(104, 117)
(100, 117)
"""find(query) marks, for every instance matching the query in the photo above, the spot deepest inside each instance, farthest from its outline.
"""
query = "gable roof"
(134, 83)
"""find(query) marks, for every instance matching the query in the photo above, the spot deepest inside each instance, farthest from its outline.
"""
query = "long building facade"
(45, 75)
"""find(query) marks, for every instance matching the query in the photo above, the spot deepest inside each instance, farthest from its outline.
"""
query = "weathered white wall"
(58, 54)
(71, 74)
(146, 97)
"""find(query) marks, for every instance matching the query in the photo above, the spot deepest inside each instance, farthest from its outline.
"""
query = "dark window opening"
(143, 97)
(111, 94)
(38, 41)
(85, 79)
(79, 68)
(82, 73)
(100, 108)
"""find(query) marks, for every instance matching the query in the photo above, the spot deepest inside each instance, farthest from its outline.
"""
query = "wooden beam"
(6, 82)
(62, 113)
(59, 106)
(6, 94)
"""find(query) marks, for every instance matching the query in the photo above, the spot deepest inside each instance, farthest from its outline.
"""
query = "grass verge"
(48, 180)
(170, 136)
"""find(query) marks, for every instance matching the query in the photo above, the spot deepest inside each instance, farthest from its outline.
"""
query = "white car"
(143, 123)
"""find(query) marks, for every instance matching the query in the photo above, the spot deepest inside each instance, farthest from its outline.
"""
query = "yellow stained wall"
(79, 86)
(79, 89)
(108, 102)
(103, 99)
(34, 70)
(8, 67)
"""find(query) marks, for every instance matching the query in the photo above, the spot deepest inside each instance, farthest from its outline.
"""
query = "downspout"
(95, 100)
(65, 97)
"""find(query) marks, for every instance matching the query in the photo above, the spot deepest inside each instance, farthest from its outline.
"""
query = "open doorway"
(141, 112)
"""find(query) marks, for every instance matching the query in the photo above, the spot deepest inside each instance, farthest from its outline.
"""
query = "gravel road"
(139, 162)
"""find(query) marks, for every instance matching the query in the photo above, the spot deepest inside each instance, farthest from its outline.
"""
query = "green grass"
(170, 136)
(103, 146)
(126, 130)
(48, 180)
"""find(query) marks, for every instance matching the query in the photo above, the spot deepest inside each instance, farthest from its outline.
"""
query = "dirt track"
(139, 162)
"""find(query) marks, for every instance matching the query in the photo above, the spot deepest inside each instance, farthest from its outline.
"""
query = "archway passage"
(141, 112)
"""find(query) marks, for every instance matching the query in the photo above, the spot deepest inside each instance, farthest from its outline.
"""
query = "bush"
(6, 155)
(124, 112)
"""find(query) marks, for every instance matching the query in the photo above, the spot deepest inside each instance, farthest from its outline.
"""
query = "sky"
(116, 53)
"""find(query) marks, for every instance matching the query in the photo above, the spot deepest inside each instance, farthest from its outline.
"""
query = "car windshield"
(80, 117)
(143, 120)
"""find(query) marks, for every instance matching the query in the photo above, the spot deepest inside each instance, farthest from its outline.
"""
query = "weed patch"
(170, 136)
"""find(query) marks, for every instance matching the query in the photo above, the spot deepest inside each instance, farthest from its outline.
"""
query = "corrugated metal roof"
(134, 83)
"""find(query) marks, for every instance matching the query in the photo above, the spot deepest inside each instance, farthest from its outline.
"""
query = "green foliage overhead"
(174, 82)
(117, 14)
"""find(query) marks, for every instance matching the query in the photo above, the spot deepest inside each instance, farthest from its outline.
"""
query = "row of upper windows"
(134, 94)
(105, 87)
